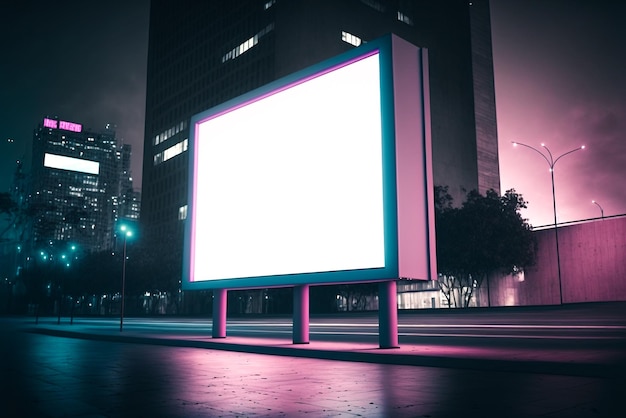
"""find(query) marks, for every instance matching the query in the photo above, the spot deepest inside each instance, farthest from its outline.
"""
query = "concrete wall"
(593, 267)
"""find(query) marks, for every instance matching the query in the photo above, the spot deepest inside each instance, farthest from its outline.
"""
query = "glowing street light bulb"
(601, 210)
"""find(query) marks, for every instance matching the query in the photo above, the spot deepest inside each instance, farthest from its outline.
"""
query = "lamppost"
(126, 231)
(64, 270)
(552, 162)
(601, 210)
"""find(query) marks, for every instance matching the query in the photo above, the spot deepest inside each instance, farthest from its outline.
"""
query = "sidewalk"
(572, 361)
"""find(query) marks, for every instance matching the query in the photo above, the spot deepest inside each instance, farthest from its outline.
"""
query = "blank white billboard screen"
(71, 164)
(292, 182)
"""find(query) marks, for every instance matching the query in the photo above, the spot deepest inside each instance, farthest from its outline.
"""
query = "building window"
(170, 132)
(405, 19)
(182, 213)
(269, 4)
(350, 38)
(246, 45)
(171, 152)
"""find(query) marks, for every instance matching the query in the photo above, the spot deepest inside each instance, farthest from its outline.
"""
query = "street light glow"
(601, 209)
(126, 230)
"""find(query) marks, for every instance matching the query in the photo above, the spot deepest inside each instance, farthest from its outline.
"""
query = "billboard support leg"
(219, 313)
(301, 314)
(387, 315)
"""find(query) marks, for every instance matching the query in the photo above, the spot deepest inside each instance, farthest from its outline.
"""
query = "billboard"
(63, 162)
(297, 182)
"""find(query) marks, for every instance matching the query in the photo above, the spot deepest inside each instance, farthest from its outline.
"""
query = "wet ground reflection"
(52, 376)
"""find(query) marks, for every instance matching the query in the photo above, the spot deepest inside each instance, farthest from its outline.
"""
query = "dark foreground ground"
(156, 368)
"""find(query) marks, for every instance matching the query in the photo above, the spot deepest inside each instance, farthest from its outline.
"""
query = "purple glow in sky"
(559, 74)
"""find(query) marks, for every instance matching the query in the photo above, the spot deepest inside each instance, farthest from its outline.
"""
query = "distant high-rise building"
(203, 53)
(129, 199)
(80, 184)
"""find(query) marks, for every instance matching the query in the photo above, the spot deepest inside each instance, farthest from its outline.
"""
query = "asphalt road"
(584, 325)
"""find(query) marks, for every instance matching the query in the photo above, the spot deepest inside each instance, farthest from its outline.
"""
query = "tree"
(7, 204)
(14, 207)
(8, 209)
(485, 235)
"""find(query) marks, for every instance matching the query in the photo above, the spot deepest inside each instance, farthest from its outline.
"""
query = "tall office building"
(80, 184)
(129, 199)
(203, 53)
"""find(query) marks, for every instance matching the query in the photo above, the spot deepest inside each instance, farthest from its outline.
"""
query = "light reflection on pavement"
(52, 376)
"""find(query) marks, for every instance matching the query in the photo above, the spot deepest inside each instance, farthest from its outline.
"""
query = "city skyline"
(557, 74)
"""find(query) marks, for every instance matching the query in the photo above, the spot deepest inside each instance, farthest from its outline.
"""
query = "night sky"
(84, 61)
(560, 74)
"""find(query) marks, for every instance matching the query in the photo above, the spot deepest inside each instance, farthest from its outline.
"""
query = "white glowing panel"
(292, 183)
(71, 164)
(324, 176)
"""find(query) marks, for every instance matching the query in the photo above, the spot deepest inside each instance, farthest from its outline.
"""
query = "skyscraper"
(129, 199)
(79, 182)
(202, 54)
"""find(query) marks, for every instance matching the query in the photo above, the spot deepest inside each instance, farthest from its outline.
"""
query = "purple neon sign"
(67, 126)
(50, 123)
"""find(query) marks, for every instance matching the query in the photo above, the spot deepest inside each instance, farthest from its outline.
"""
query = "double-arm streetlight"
(127, 232)
(552, 162)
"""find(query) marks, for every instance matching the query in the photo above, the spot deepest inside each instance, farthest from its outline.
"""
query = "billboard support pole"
(388, 315)
(301, 314)
(219, 313)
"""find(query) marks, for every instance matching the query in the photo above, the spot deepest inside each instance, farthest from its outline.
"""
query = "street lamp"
(552, 162)
(601, 210)
(61, 297)
(126, 231)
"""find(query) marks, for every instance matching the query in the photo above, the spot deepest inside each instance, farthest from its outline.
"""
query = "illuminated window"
(171, 152)
(405, 19)
(170, 132)
(269, 4)
(182, 213)
(245, 46)
(350, 38)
